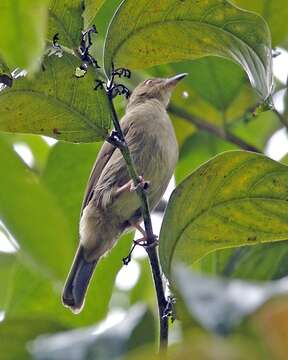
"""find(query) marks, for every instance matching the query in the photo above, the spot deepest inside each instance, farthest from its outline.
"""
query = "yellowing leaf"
(57, 104)
(237, 198)
(146, 33)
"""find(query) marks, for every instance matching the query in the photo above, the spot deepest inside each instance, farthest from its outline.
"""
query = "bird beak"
(173, 81)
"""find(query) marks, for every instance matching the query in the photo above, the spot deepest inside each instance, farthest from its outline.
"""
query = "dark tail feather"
(77, 282)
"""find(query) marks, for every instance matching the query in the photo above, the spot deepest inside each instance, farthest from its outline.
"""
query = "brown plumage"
(109, 207)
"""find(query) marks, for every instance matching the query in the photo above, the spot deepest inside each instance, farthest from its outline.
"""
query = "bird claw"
(142, 183)
(140, 242)
(144, 243)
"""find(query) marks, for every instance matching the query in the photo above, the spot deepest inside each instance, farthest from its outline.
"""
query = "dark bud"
(6, 80)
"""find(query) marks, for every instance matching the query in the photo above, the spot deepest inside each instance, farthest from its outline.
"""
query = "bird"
(111, 205)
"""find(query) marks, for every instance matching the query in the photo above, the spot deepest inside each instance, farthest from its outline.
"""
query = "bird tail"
(77, 282)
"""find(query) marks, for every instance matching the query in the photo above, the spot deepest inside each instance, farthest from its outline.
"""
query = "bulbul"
(110, 205)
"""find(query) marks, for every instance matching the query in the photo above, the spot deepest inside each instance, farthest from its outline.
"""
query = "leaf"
(66, 175)
(38, 146)
(16, 333)
(143, 291)
(177, 30)
(257, 131)
(237, 198)
(258, 262)
(275, 12)
(197, 149)
(32, 293)
(32, 215)
(65, 19)
(202, 146)
(91, 9)
(22, 28)
(7, 267)
(219, 305)
(56, 104)
(110, 344)
(28, 290)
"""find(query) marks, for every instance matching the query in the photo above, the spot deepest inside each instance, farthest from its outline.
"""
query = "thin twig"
(217, 131)
(151, 250)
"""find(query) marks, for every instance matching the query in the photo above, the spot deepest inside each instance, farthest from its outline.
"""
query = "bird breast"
(154, 148)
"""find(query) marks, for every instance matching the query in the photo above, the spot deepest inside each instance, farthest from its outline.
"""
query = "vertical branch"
(150, 248)
(117, 139)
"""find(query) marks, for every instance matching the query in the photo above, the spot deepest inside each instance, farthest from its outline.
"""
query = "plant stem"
(151, 250)
(217, 131)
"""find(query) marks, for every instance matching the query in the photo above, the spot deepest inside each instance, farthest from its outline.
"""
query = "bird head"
(158, 89)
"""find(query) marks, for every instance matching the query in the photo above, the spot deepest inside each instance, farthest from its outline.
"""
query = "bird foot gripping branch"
(140, 242)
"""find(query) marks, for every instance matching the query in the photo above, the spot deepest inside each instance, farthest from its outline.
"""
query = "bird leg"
(141, 242)
(129, 186)
(124, 188)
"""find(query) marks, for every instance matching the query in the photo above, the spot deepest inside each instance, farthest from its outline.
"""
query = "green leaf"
(66, 175)
(202, 146)
(143, 291)
(257, 131)
(34, 294)
(17, 333)
(91, 9)
(38, 146)
(237, 198)
(56, 104)
(176, 30)
(65, 19)
(28, 291)
(32, 215)
(258, 262)
(220, 305)
(7, 267)
(197, 149)
(136, 329)
(275, 12)
(22, 32)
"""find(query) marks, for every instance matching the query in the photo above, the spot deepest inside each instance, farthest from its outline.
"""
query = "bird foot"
(142, 183)
(140, 242)
(129, 186)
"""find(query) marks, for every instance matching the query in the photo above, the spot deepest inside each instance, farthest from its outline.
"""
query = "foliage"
(225, 218)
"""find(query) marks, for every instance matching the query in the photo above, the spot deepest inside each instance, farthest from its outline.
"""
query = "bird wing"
(102, 159)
